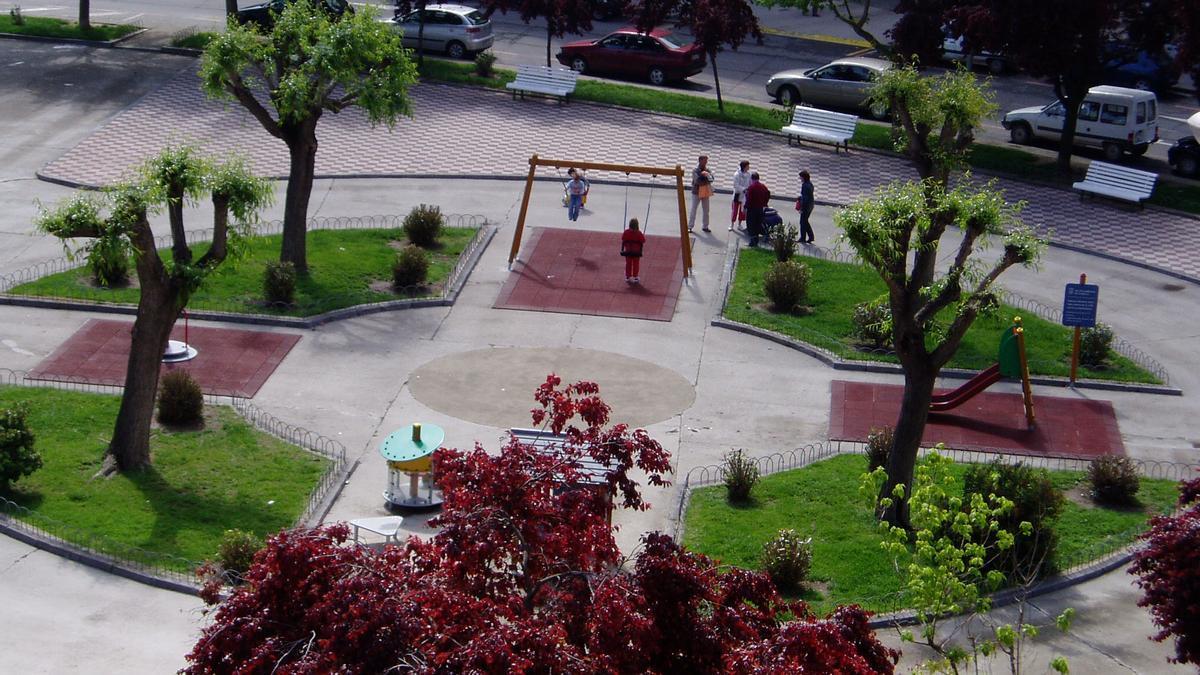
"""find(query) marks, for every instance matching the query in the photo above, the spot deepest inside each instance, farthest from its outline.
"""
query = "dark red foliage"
(1168, 569)
(524, 576)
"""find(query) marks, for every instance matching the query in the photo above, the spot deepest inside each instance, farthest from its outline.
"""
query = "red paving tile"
(581, 272)
(230, 362)
(1066, 427)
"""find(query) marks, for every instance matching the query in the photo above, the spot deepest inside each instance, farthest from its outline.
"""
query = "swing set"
(535, 161)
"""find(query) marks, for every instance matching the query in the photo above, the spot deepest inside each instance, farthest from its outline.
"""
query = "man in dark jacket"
(805, 206)
(757, 198)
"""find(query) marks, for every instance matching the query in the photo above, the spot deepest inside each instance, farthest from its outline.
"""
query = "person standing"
(805, 205)
(576, 188)
(632, 243)
(757, 198)
(702, 190)
(741, 181)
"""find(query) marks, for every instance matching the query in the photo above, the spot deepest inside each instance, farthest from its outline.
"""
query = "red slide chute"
(956, 397)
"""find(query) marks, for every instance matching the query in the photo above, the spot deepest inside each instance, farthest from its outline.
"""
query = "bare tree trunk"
(717, 79)
(231, 8)
(549, 37)
(1066, 142)
(302, 146)
(910, 426)
(85, 14)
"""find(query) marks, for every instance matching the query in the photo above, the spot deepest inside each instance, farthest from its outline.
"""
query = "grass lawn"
(58, 28)
(346, 268)
(837, 287)
(193, 40)
(999, 158)
(822, 501)
(202, 483)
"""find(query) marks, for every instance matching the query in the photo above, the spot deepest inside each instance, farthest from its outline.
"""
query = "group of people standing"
(751, 197)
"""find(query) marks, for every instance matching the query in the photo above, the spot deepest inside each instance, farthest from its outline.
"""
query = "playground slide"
(956, 397)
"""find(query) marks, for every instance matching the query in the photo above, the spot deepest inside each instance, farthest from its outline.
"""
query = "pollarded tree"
(175, 177)
(714, 25)
(524, 575)
(899, 231)
(562, 16)
(310, 63)
(85, 14)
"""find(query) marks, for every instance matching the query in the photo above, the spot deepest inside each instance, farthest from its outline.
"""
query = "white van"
(1116, 119)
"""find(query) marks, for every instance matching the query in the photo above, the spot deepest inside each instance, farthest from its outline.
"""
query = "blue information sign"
(1079, 305)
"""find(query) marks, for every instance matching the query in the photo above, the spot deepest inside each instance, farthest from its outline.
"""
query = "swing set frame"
(685, 244)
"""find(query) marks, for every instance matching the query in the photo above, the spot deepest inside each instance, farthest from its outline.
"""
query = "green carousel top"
(411, 448)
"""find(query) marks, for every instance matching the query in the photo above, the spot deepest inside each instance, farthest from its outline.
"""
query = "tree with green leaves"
(121, 218)
(898, 233)
(308, 64)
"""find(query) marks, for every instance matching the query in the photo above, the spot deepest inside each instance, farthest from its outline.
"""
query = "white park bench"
(557, 82)
(1118, 182)
(824, 126)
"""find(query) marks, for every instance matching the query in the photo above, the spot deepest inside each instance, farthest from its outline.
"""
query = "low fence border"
(64, 539)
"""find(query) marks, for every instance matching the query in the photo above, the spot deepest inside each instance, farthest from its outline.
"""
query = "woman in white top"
(741, 181)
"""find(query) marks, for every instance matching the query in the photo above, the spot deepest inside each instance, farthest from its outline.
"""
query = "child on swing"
(632, 242)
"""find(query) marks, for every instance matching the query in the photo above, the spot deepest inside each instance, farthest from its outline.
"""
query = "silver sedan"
(845, 83)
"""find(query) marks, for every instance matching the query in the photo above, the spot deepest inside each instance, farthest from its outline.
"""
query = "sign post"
(1079, 310)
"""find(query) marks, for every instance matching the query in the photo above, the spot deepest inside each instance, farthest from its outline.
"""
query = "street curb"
(108, 44)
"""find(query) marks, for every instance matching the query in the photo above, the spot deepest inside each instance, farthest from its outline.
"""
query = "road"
(743, 73)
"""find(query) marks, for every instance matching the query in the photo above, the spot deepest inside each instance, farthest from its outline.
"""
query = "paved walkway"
(701, 391)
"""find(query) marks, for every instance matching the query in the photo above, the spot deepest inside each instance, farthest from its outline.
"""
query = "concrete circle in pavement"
(495, 387)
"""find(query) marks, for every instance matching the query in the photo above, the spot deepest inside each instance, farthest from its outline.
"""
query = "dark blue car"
(1140, 70)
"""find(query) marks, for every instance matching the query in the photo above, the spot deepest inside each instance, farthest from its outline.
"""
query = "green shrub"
(180, 401)
(279, 283)
(879, 446)
(1114, 480)
(411, 267)
(741, 473)
(786, 284)
(108, 259)
(17, 455)
(871, 323)
(787, 559)
(423, 225)
(1035, 500)
(485, 64)
(784, 242)
(1094, 343)
(235, 554)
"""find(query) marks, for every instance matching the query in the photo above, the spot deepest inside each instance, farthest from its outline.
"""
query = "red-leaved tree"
(524, 575)
(1168, 570)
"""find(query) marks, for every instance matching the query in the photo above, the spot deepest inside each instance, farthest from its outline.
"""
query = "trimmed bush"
(485, 64)
(786, 285)
(787, 559)
(180, 401)
(741, 473)
(879, 446)
(423, 225)
(17, 456)
(279, 283)
(1035, 500)
(1094, 344)
(1114, 480)
(411, 267)
(784, 242)
(108, 258)
(235, 554)
(872, 323)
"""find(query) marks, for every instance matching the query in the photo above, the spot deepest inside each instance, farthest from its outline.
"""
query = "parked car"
(952, 50)
(263, 13)
(1184, 156)
(456, 30)
(1140, 69)
(654, 56)
(1116, 119)
(604, 10)
(844, 83)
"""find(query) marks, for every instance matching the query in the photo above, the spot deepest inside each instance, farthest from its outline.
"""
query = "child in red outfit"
(632, 242)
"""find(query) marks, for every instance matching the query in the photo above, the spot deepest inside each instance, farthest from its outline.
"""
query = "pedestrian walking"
(576, 188)
(757, 198)
(805, 205)
(702, 190)
(633, 241)
(741, 181)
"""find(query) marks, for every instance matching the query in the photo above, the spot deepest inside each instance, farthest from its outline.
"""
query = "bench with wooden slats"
(1117, 182)
(824, 126)
(556, 82)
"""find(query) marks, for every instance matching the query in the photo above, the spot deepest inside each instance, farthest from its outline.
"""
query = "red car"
(629, 53)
